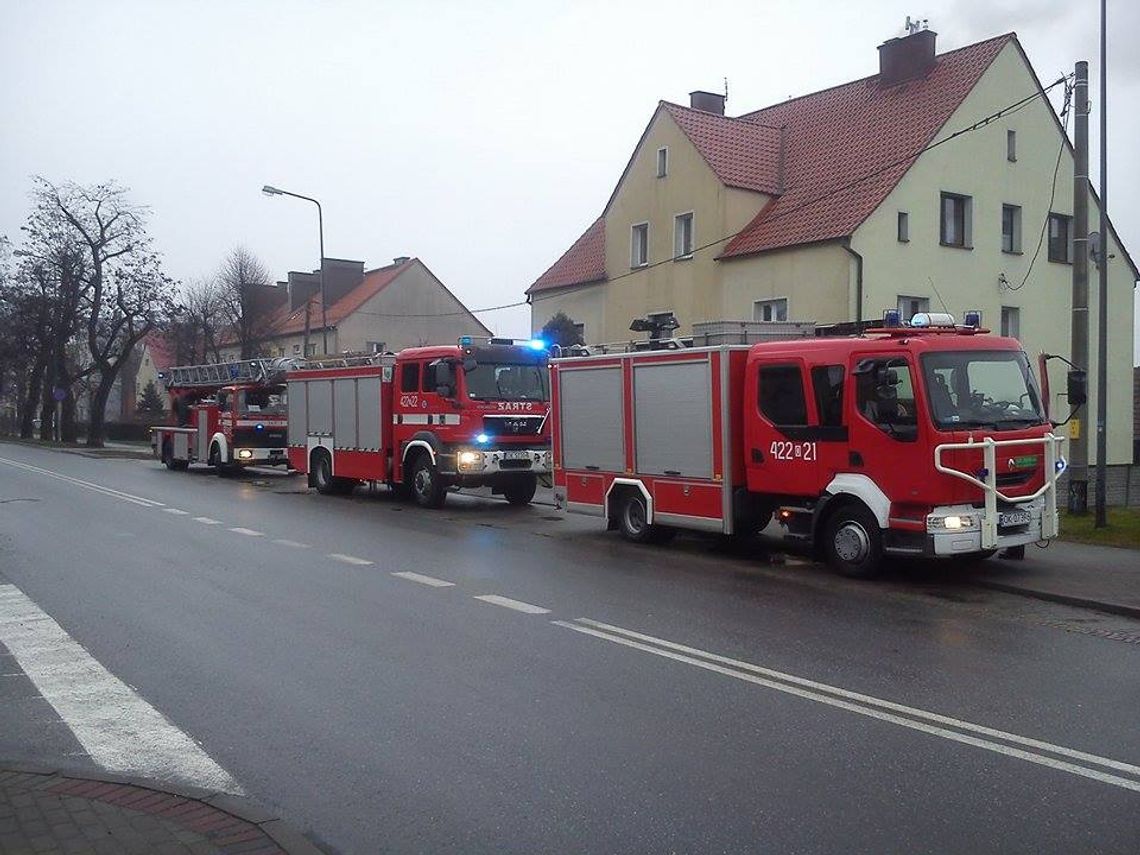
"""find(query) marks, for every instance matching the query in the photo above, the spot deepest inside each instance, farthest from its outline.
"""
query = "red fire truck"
(425, 419)
(228, 415)
(929, 439)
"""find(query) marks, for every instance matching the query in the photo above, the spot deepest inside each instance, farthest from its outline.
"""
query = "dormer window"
(662, 162)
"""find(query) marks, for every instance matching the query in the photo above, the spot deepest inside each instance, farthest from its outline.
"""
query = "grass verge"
(1123, 528)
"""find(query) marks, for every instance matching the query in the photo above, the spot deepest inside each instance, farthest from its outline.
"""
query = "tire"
(853, 542)
(323, 479)
(428, 488)
(633, 521)
(168, 456)
(222, 470)
(1014, 553)
(520, 490)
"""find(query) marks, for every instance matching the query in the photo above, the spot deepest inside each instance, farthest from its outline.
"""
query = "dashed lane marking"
(866, 705)
(281, 541)
(249, 532)
(207, 521)
(86, 485)
(348, 559)
(118, 729)
(176, 511)
(517, 605)
(424, 580)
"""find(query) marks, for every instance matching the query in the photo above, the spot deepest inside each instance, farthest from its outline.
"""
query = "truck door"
(884, 426)
(782, 443)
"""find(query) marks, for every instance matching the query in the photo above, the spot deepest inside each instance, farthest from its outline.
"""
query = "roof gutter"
(858, 279)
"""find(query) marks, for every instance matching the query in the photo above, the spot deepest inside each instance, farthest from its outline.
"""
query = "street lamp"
(270, 190)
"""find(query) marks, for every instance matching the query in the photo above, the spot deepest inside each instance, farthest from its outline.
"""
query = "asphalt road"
(605, 698)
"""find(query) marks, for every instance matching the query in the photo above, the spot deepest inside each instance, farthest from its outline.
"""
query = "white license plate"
(1013, 518)
(516, 455)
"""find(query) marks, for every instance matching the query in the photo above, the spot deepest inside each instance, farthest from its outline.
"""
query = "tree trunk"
(97, 425)
(69, 426)
(47, 406)
(31, 398)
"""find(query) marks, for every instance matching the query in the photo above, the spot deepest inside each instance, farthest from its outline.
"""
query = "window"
(580, 333)
(782, 395)
(662, 162)
(296, 349)
(827, 383)
(884, 395)
(1011, 146)
(911, 306)
(429, 377)
(311, 349)
(410, 377)
(639, 245)
(375, 346)
(1010, 228)
(683, 236)
(1011, 321)
(904, 227)
(224, 401)
(1061, 238)
(956, 220)
(770, 310)
(991, 389)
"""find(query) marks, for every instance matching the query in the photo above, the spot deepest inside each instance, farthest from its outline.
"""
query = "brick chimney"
(906, 58)
(707, 102)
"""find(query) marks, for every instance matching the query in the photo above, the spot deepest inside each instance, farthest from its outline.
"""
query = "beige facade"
(821, 281)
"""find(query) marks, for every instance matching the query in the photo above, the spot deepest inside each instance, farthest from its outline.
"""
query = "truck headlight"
(470, 459)
(950, 522)
(245, 454)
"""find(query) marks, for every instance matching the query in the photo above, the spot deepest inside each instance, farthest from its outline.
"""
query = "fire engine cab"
(425, 420)
(229, 415)
(928, 439)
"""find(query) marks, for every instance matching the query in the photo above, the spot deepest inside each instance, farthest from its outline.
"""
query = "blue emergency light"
(972, 318)
(482, 439)
(536, 344)
(892, 318)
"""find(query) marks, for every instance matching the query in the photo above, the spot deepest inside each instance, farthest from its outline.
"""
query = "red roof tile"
(838, 135)
(160, 351)
(285, 321)
(583, 262)
(742, 153)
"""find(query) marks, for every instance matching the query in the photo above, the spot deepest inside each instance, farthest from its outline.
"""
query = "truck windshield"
(491, 381)
(993, 389)
(271, 401)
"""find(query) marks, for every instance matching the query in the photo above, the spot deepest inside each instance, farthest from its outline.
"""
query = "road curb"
(1065, 599)
(283, 836)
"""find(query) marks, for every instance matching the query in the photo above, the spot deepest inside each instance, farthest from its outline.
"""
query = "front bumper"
(530, 461)
(260, 456)
(967, 540)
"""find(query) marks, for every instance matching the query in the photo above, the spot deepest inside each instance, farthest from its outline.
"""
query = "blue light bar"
(892, 318)
(482, 439)
(465, 341)
(536, 344)
(972, 318)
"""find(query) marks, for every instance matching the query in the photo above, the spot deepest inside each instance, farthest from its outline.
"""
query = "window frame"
(634, 230)
(1015, 226)
(771, 301)
(1049, 240)
(1011, 145)
(967, 220)
(678, 219)
(902, 227)
(903, 316)
(414, 374)
(760, 397)
(889, 427)
(663, 161)
(1009, 313)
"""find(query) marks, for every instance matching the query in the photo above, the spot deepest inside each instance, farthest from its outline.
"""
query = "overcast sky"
(480, 136)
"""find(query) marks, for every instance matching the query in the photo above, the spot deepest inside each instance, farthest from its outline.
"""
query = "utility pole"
(1102, 291)
(1079, 330)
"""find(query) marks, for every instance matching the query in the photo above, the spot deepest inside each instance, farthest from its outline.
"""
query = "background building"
(822, 208)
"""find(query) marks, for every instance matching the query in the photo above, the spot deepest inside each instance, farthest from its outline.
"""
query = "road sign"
(58, 393)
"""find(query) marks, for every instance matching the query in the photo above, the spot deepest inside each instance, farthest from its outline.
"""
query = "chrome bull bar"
(1055, 466)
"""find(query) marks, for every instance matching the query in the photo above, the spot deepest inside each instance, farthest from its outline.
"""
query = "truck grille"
(512, 425)
(514, 464)
(269, 438)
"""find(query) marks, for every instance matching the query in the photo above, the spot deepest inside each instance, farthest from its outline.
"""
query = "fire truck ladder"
(222, 373)
(347, 360)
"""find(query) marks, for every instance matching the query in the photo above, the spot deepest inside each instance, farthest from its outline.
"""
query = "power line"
(784, 212)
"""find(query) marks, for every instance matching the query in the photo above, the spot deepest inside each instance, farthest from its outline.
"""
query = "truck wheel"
(520, 491)
(168, 457)
(853, 542)
(633, 520)
(428, 488)
(323, 479)
(220, 469)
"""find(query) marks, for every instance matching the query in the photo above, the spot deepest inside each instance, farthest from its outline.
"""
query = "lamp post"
(269, 190)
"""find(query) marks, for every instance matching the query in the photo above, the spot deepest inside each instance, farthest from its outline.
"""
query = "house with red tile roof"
(400, 305)
(155, 355)
(943, 182)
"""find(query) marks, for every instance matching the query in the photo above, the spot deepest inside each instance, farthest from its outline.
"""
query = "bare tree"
(125, 292)
(241, 277)
(199, 323)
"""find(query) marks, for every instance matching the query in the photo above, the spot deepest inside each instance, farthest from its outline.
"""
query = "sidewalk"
(49, 812)
(1097, 577)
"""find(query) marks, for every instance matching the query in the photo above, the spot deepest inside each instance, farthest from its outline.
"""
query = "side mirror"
(469, 364)
(1077, 387)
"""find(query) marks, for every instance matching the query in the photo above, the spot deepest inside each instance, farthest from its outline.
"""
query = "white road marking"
(424, 580)
(865, 706)
(248, 532)
(207, 521)
(293, 543)
(118, 729)
(176, 511)
(517, 605)
(86, 485)
(348, 559)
